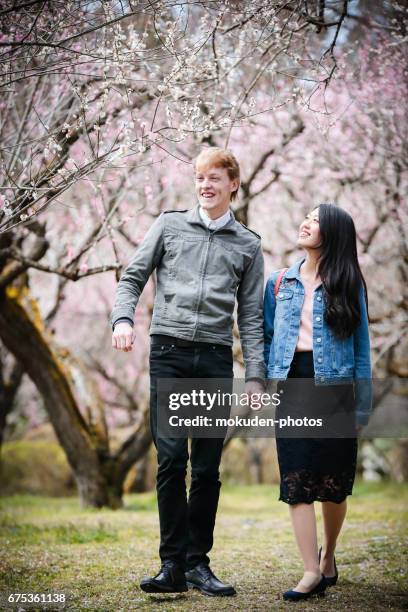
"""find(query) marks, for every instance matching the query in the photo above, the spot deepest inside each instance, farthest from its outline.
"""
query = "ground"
(96, 557)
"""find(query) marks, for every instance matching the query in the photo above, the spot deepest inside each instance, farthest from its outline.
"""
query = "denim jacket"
(342, 361)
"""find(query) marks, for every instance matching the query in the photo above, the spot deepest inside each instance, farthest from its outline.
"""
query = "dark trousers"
(186, 525)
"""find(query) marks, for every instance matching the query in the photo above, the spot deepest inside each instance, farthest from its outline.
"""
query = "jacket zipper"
(210, 238)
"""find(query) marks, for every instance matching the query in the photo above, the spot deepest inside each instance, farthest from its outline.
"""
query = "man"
(205, 262)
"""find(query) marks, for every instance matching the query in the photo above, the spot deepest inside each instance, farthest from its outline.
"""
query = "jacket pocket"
(184, 255)
(284, 294)
(283, 305)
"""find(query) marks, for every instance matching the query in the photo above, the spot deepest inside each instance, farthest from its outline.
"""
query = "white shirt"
(214, 224)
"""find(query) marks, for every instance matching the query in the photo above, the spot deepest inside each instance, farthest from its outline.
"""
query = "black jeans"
(186, 526)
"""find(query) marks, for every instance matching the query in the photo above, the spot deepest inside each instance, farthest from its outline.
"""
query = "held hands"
(123, 337)
(359, 429)
(254, 387)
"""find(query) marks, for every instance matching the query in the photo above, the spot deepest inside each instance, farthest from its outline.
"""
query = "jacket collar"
(193, 216)
(294, 272)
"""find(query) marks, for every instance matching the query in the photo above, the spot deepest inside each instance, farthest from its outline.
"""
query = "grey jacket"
(201, 274)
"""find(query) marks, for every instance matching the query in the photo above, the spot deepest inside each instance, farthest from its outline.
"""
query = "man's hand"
(123, 337)
(253, 387)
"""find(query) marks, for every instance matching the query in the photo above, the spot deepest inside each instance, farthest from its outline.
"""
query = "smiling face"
(214, 188)
(309, 231)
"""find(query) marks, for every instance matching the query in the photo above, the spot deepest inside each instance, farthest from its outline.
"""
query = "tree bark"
(139, 484)
(99, 476)
(8, 391)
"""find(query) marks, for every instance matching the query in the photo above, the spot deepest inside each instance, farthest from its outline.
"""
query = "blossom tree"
(93, 93)
(104, 105)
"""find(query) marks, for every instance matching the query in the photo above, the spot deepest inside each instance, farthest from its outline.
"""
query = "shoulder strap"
(174, 211)
(249, 230)
(278, 281)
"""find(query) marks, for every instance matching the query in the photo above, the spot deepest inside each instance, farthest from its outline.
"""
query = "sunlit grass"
(97, 557)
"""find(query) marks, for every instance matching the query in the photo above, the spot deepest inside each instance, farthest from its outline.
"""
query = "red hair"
(216, 157)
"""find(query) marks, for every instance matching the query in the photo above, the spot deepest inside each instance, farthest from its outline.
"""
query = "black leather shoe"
(201, 577)
(170, 579)
(331, 580)
(319, 590)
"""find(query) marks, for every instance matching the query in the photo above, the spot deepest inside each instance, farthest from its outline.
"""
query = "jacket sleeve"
(250, 316)
(136, 274)
(269, 315)
(362, 365)
(122, 320)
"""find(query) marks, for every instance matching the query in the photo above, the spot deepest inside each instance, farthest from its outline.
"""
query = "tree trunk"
(255, 459)
(132, 450)
(98, 475)
(139, 484)
(8, 391)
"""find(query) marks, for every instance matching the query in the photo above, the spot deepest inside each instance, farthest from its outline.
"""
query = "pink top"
(305, 338)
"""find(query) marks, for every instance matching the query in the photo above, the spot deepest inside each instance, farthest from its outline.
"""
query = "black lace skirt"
(315, 469)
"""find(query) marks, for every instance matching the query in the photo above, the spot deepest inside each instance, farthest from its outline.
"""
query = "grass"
(96, 557)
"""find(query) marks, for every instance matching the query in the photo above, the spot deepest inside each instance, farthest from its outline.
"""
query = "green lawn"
(96, 557)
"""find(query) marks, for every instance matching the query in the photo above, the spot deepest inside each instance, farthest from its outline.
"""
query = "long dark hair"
(339, 270)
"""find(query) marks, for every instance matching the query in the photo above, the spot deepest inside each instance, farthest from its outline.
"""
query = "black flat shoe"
(202, 578)
(331, 580)
(318, 590)
(170, 579)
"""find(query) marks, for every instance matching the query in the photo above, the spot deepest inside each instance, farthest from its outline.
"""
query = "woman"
(316, 328)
